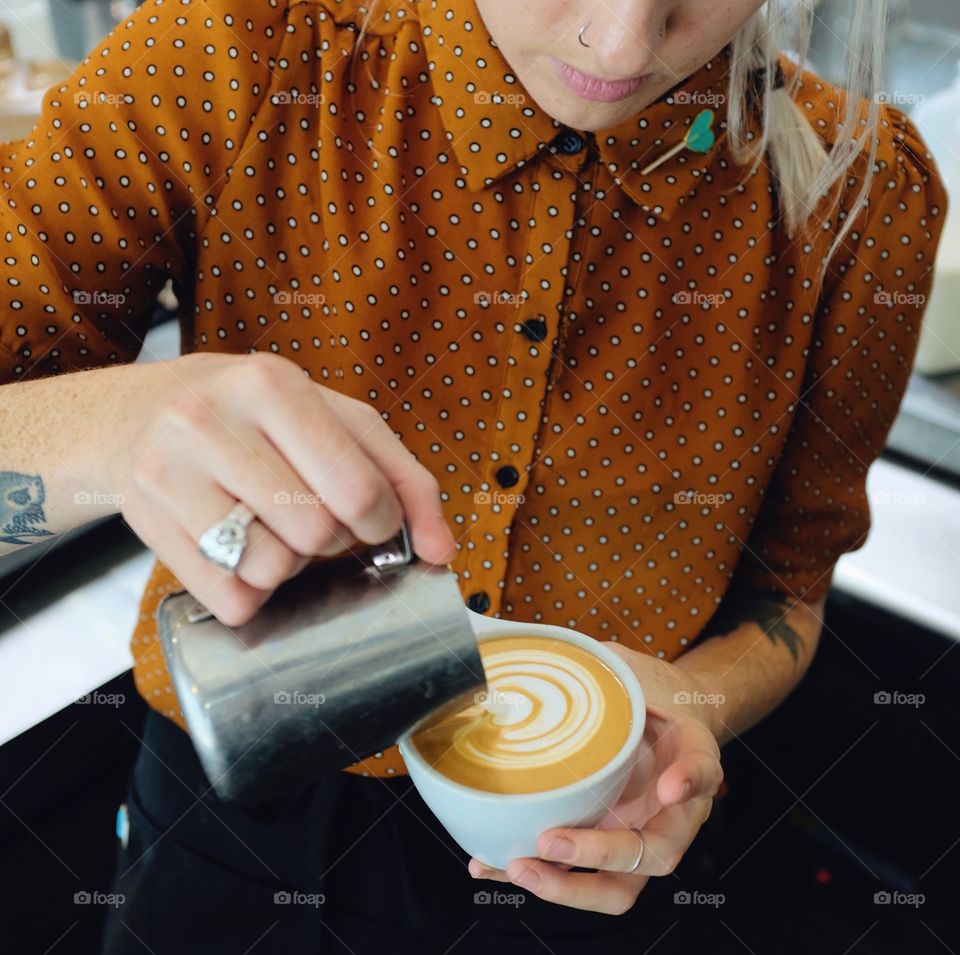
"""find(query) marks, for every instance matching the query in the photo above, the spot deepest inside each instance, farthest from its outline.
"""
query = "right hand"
(321, 471)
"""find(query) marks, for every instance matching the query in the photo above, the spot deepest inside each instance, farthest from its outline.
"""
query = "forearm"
(753, 654)
(55, 452)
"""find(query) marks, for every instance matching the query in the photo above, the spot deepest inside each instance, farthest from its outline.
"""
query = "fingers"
(194, 503)
(247, 468)
(617, 850)
(613, 850)
(231, 599)
(481, 871)
(684, 790)
(344, 450)
(302, 425)
(300, 438)
(605, 892)
(613, 888)
(262, 479)
(320, 471)
(414, 485)
(673, 806)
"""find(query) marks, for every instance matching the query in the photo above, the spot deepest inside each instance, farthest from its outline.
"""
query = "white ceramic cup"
(497, 827)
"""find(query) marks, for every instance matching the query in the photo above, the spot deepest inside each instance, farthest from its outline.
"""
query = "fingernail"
(526, 879)
(561, 848)
(686, 790)
(476, 869)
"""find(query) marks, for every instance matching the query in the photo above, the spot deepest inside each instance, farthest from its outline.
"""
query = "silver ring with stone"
(223, 543)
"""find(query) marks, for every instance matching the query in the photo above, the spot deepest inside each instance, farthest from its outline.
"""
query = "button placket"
(520, 406)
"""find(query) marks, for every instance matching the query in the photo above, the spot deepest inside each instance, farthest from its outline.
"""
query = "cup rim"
(489, 628)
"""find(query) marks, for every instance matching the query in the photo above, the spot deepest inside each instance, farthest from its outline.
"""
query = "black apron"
(347, 865)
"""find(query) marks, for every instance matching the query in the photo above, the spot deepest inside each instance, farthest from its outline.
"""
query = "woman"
(612, 301)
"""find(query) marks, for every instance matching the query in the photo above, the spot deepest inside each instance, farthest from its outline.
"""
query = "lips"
(593, 88)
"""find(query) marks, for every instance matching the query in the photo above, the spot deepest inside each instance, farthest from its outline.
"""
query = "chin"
(592, 117)
(574, 112)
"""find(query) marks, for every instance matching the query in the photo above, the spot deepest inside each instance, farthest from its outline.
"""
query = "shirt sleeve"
(815, 507)
(105, 198)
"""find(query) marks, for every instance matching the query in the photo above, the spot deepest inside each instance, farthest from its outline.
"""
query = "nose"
(624, 37)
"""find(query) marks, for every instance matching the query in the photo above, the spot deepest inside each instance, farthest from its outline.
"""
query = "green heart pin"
(700, 138)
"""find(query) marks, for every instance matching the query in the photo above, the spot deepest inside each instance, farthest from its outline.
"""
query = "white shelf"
(69, 648)
(910, 564)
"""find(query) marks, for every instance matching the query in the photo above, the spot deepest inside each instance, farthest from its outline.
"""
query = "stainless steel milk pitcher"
(336, 665)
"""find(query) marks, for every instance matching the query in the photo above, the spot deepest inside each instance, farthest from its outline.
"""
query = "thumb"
(430, 535)
(693, 775)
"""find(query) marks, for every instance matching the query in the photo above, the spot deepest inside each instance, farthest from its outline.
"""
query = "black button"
(507, 476)
(569, 142)
(535, 329)
(478, 602)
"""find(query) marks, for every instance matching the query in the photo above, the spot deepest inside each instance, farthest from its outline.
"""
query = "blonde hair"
(805, 170)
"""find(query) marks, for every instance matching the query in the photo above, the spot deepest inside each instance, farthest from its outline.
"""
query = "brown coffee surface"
(568, 716)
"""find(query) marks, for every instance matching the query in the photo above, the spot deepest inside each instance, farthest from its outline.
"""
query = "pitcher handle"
(393, 553)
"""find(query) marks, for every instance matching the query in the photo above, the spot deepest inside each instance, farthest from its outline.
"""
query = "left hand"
(669, 796)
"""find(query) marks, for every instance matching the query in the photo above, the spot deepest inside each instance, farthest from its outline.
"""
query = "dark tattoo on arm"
(21, 508)
(767, 609)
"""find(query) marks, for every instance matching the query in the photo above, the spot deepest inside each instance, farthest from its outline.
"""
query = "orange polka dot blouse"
(632, 391)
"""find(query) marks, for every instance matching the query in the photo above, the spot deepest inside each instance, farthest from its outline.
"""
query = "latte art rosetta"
(556, 709)
(561, 714)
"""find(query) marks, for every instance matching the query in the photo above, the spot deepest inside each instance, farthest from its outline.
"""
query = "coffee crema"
(568, 716)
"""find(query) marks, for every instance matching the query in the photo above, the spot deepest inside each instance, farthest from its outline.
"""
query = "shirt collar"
(495, 127)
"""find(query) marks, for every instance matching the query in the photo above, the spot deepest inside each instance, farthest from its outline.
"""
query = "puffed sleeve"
(815, 508)
(104, 199)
